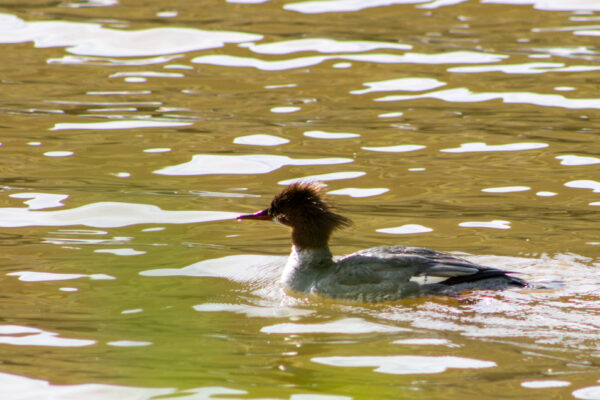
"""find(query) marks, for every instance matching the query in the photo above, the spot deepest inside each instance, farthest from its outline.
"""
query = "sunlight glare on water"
(134, 134)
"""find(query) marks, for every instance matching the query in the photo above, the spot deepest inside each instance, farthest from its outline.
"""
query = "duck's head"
(302, 206)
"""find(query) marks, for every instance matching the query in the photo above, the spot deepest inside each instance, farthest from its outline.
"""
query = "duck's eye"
(282, 219)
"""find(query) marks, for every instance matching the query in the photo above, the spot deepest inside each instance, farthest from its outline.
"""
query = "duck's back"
(390, 273)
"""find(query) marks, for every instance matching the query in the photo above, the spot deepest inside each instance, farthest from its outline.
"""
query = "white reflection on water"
(334, 176)
(260, 140)
(32, 276)
(59, 153)
(464, 95)
(207, 164)
(544, 193)
(527, 68)
(584, 184)
(322, 45)
(406, 84)
(403, 148)
(330, 135)
(544, 384)
(495, 224)
(577, 160)
(125, 124)
(146, 74)
(587, 393)
(16, 387)
(480, 146)
(88, 60)
(552, 5)
(252, 311)
(244, 268)
(41, 200)
(405, 364)
(285, 109)
(506, 189)
(107, 215)
(359, 192)
(346, 326)
(327, 6)
(17, 335)
(425, 342)
(407, 229)
(121, 252)
(129, 343)
(391, 115)
(455, 57)
(95, 40)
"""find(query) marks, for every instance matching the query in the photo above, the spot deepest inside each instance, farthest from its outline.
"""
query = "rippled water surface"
(133, 133)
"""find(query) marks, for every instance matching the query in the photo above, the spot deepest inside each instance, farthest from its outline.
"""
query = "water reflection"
(106, 215)
(27, 336)
(506, 151)
(346, 326)
(405, 364)
(208, 164)
(124, 124)
(94, 40)
(321, 45)
(328, 6)
(464, 95)
(32, 276)
(260, 140)
(407, 84)
(20, 387)
(479, 146)
(455, 57)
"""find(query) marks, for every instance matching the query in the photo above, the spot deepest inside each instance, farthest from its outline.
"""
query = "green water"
(128, 128)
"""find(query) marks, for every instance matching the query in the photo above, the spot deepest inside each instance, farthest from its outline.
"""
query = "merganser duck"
(370, 275)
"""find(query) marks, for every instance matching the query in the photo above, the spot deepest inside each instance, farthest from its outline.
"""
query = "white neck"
(304, 266)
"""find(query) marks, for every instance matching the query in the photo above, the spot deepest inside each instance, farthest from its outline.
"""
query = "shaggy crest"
(303, 203)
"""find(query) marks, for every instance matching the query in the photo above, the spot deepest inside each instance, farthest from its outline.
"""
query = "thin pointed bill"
(260, 215)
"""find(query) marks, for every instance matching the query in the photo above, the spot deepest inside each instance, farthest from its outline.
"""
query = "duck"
(378, 274)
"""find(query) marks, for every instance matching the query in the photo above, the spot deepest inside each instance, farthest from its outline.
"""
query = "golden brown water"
(132, 134)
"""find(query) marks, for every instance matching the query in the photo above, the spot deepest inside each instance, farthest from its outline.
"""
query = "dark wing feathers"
(420, 262)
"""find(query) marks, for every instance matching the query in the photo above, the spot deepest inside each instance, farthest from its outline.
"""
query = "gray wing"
(406, 261)
(391, 273)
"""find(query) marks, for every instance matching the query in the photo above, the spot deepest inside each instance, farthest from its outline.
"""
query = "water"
(133, 135)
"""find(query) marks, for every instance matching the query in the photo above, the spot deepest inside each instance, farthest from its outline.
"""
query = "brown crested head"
(304, 203)
(303, 207)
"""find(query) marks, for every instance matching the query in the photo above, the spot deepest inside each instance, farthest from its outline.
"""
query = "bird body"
(372, 275)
